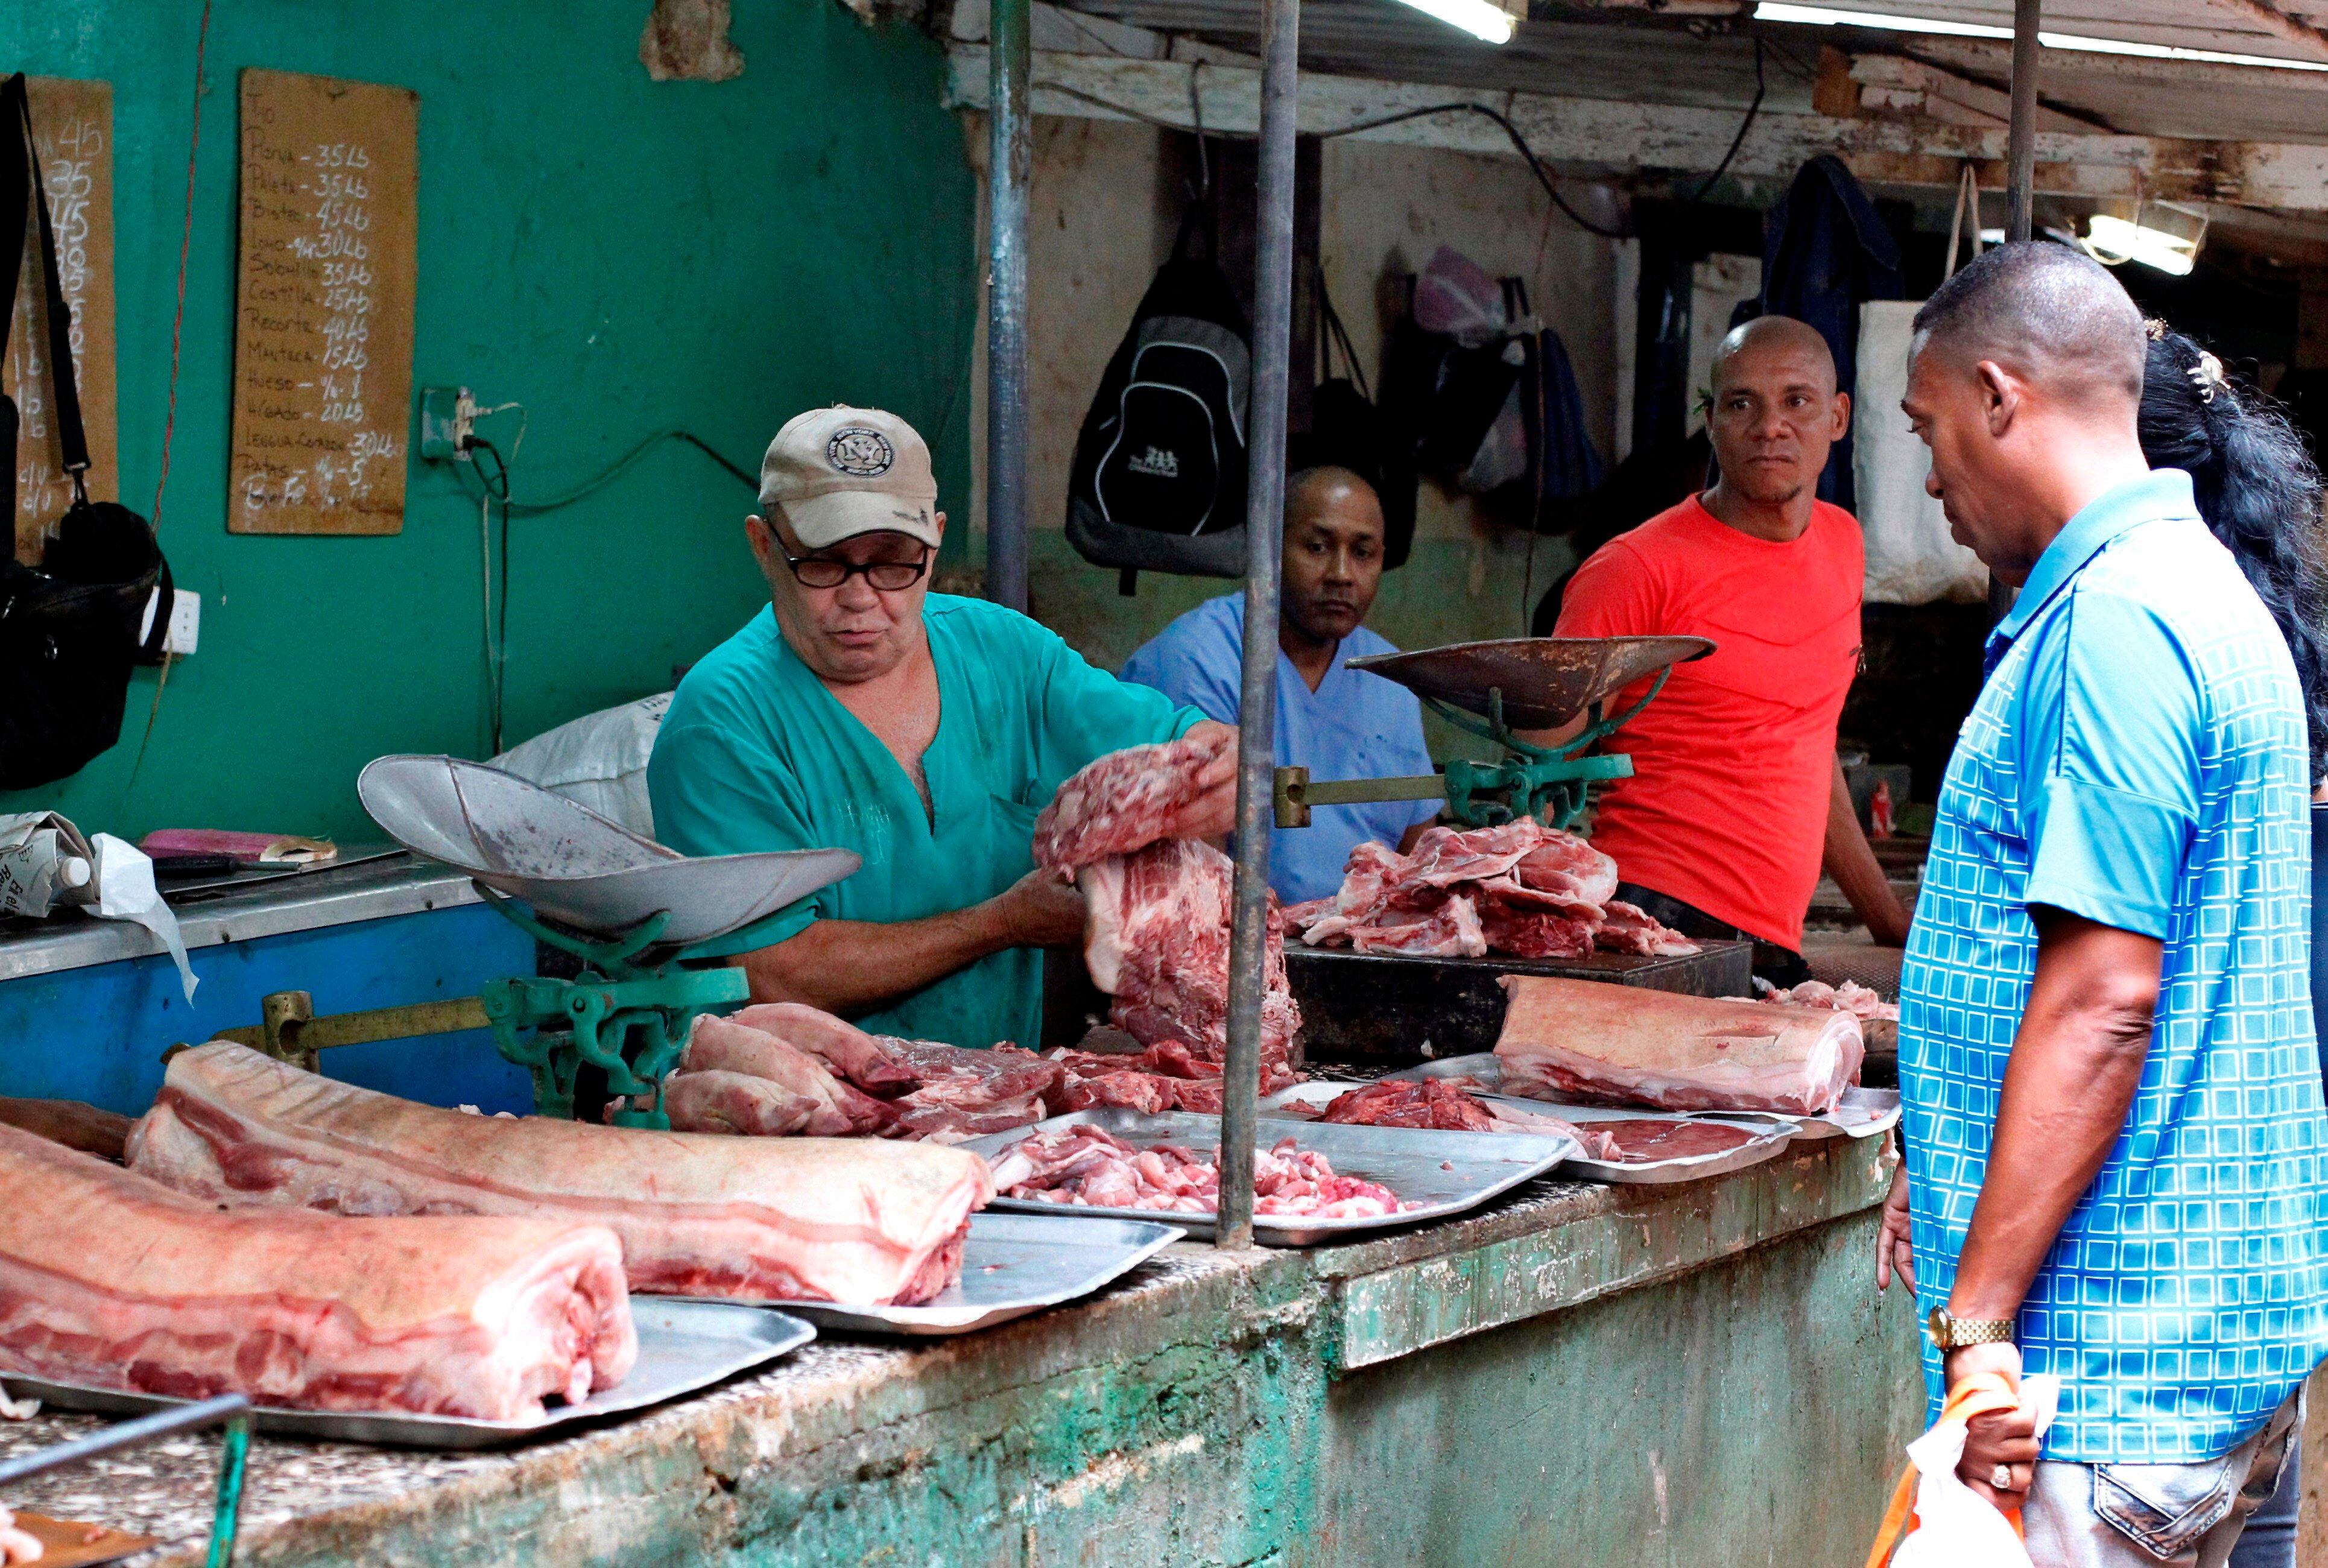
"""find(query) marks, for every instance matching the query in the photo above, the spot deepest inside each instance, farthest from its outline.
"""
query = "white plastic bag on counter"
(45, 863)
(124, 890)
(1956, 1526)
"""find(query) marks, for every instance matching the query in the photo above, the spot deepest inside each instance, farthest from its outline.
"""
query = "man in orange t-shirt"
(1737, 799)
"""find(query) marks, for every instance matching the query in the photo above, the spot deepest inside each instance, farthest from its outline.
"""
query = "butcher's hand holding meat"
(1566, 1039)
(856, 1220)
(111, 1280)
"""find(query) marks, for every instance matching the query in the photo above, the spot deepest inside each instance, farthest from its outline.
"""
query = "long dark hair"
(2259, 491)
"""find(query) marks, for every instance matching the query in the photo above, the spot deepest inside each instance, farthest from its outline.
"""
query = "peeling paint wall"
(1104, 208)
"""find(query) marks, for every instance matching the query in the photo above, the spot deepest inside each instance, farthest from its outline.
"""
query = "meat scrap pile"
(1863, 1002)
(782, 1069)
(111, 1280)
(850, 1220)
(1158, 935)
(1453, 1105)
(1522, 889)
(1087, 1167)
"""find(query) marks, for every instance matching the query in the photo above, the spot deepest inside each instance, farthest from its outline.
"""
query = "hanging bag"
(70, 627)
(1158, 479)
(1348, 430)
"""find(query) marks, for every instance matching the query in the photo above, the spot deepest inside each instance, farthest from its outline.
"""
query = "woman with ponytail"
(2260, 493)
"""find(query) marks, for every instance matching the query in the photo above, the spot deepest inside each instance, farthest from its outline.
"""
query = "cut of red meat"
(1536, 934)
(1640, 1141)
(1087, 1167)
(1445, 856)
(865, 1060)
(800, 1094)
(1432, 1103)
(1564, 864)
(1630, 928)
(1124, 801)
(1450, 931)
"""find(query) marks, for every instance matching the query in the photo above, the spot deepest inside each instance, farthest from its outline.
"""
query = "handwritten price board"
(73, 138)
(322, 341)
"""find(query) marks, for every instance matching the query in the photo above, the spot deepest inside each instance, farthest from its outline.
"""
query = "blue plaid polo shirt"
(2136, 757)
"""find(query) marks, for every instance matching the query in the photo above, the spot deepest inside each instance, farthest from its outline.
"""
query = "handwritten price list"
(72, 138)
(323, 348)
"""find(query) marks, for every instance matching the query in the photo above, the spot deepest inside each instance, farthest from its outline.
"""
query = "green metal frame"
(1550, 784)
(628, 1019)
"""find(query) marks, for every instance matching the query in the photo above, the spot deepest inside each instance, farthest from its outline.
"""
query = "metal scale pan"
(573, 865)
(1545, 682)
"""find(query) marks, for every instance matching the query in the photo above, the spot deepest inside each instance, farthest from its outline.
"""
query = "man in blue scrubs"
(1338, 722)
(861, 711)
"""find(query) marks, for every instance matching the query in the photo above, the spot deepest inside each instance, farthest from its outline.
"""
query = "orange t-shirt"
(1734, 762)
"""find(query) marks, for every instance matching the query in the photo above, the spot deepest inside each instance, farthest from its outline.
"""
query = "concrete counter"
(1693, 1375)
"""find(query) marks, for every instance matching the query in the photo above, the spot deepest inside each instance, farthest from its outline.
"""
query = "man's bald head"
(1773, 335)
(2052, 315)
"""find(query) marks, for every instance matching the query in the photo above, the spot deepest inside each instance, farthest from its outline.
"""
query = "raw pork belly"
(828, 1219)
(1567, 1039)
(1124, 801)
(1090, 1168)
(111, 1280)
(1526, 890)
(782, 1068)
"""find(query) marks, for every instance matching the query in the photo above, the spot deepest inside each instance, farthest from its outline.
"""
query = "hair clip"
(2208, 376)
(2154, 328)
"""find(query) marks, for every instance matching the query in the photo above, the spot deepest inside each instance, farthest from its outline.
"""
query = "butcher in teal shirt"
(923, 731)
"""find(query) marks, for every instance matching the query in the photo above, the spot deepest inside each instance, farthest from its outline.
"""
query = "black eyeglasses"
(824, 571)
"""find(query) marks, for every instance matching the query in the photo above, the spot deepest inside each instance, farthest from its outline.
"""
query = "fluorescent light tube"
(1889, 22)
(2169, 253)
(1490, 24)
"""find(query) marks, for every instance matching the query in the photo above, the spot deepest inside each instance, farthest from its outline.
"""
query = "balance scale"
(1492, 690)
(622, 905)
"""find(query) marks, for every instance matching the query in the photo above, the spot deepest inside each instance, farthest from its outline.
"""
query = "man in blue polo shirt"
(2114, 1128)
(1338, 722)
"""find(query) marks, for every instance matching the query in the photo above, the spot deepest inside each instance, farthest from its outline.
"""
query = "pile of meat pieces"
(1522, 889)
(782, 1069)
(1452, 1105)
(1088, 1168)
(1157, 938)
(1863, 1002)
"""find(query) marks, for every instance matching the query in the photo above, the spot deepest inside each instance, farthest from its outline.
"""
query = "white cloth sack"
(599, 761)
(1911, 558)
(1956, 1526)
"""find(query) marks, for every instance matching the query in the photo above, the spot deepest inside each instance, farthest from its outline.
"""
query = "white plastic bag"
(1912, 556)
(1956, 1526)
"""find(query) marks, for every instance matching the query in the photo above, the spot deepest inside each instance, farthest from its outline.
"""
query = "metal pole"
(1010, 62)
(125, 1434)
(1264, 527)
(2021, 138)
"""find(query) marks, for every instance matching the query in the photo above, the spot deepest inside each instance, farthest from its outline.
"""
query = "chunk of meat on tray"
(856, 1220)
(1125, 800)
(1863, 1002)
(1088, 1166)
(761, 1083)
(1456, 1104)
(110, 1280)
(1577, 1040)
(1646, 1140)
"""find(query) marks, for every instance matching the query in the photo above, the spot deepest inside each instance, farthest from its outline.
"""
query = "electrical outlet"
(185, 621)
(447, 416)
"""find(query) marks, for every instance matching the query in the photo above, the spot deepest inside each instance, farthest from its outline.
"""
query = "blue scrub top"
(1354, 725)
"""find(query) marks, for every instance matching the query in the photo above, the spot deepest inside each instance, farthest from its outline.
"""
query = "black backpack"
(69, 628)
(1158, 479)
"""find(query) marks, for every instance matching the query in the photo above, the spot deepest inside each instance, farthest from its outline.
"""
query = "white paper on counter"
(126, 891)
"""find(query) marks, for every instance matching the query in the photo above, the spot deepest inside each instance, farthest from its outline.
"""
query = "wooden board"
(69, 1543)
(72, 135)
(324, 286)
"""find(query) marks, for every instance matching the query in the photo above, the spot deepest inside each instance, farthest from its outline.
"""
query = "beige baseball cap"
(841, 472)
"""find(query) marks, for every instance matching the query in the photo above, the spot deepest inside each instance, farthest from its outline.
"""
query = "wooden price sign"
(72, 140)
(323, 339)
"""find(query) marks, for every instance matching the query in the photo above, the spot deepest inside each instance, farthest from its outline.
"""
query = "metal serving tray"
(684, 1347)
(1013, 1264)
(1773, 1133)
(1446, 1172)
(1860, 1114)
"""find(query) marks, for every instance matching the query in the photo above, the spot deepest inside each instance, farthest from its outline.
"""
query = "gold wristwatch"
(1950, 1332)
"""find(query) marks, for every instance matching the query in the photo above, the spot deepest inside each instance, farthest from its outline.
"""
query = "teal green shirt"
(756, 753)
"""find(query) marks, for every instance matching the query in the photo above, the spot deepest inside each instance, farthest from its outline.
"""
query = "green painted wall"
(622, 255)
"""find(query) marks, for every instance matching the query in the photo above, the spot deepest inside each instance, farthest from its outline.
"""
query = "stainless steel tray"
(684, 1346)
(1773, 1133)
(1861, 1112)
(1446, 1172)
(1013, 1264)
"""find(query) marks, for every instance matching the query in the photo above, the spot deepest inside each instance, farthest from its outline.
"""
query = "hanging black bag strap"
(1334, 336)
(15, 198)
(71, 437)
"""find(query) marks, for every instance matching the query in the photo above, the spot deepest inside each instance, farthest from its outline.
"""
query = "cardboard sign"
(323, 339)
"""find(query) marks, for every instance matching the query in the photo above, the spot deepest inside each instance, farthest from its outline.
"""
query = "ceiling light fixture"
(2161, 236)
(1487, 23)
(1889, 22)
